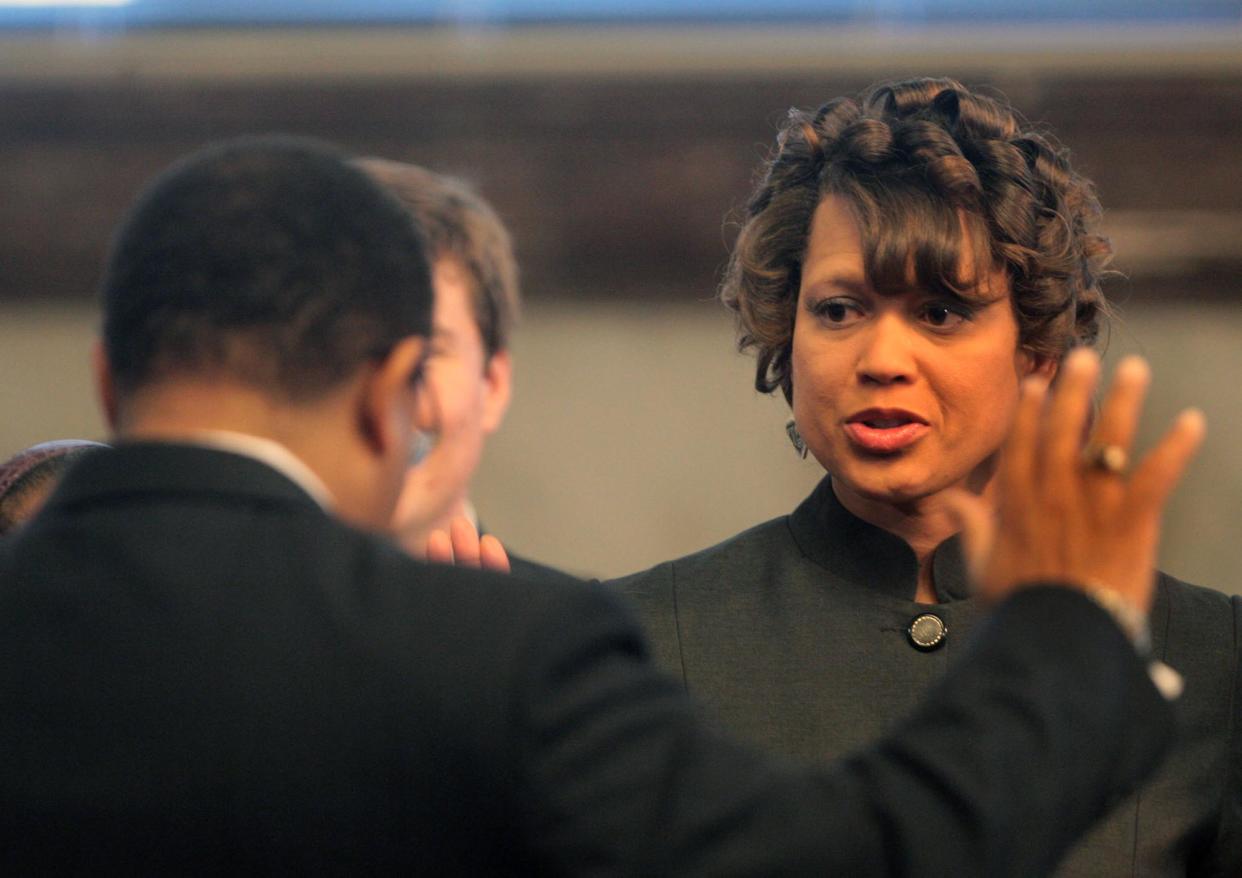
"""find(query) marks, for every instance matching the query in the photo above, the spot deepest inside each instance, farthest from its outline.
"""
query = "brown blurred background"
(616, 154)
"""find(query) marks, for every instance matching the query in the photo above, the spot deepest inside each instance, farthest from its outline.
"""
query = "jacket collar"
(275, 455)
(870, 557)
(151, 469)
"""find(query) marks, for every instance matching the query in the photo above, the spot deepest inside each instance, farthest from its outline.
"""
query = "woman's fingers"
(1119, 413)
(1066, 420)
(1155, 478)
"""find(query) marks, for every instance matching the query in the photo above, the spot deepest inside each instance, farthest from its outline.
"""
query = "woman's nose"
(887, 352)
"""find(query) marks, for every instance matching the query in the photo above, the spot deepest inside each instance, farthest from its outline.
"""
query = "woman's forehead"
(835, 236)
(899, 245)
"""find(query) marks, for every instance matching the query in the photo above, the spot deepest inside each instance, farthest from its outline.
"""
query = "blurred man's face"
(471, 394)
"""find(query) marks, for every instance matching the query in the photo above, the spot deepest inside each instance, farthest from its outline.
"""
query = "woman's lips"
(885, 432)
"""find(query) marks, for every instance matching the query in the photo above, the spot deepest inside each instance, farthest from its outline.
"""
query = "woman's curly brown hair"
(913, 159)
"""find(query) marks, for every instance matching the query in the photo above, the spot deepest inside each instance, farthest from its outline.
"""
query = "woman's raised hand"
(1074, 515)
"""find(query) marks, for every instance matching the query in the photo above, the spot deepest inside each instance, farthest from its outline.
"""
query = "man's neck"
(317, 436)
(268, 452)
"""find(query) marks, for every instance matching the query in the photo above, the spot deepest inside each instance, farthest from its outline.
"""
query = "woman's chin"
(892, 488)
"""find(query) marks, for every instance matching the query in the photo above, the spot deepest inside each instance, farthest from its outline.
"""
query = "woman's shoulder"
(1193, 619)
(1177, 595)
(753, 548)
(663, 594)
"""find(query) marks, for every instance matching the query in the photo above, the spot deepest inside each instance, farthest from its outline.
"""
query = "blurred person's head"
(265, 286)
(908, 256)
(469, 369)
(28, 477)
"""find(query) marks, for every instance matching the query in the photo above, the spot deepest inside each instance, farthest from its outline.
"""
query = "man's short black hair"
(266, 260)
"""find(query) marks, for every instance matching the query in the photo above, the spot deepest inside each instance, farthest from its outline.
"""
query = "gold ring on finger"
(1108, 458)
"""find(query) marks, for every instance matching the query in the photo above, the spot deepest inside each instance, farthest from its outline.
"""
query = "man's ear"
(105, 389)
(388, 394)
(498, 378)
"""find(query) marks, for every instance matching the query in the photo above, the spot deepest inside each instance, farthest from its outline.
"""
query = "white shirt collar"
(272, 453)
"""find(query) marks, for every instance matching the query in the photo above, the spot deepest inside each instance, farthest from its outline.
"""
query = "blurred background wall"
(616, 151)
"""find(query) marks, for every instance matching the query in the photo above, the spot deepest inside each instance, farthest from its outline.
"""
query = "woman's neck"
(924, 524)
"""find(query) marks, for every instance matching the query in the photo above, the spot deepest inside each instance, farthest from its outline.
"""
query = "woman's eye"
(944, 316)
(836, 311)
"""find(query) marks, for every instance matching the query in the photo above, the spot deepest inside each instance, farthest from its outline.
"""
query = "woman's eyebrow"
(846, 281)
(969, 297)
(977, 296)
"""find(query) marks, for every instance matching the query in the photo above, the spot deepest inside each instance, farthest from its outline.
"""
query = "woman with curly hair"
(908, 257)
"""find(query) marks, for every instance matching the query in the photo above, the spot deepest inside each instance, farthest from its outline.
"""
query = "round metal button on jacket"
(927, 631)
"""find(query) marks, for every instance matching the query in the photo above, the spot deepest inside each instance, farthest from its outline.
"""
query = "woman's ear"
(1041, 365)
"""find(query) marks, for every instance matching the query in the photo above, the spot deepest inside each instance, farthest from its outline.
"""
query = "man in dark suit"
(207, 667)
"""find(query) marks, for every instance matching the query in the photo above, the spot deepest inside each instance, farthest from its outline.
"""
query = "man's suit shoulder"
(491, 608)
(524, 568)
